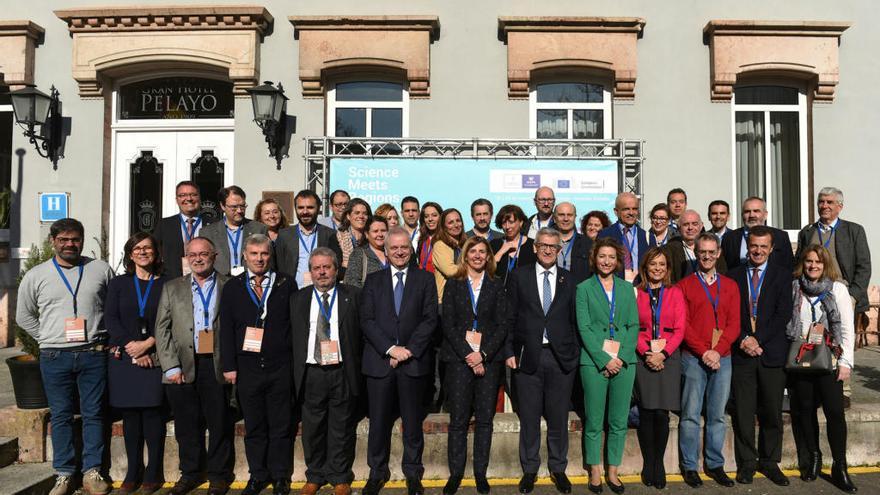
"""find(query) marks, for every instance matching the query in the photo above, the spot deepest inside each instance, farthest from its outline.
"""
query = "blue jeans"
(701, 383)
(87, 371)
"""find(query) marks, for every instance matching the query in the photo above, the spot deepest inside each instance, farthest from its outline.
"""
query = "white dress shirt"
(314, 314)
(394, 282)
(539, 271)
(267, 283)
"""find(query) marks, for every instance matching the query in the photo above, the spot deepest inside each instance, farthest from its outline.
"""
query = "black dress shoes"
(414, 486)
(720, 477)
(563, 485)
(184, 486)
(840, 478)
(482, 485)
(660, 476)
(594, 488)
(811, 473)
(618, 488)
(773, 474)
(452, 485)
(692, 478)
(281, 486)
(745, 476)
(373, 486)
(527, 482)
(254, 487)
(647, 480)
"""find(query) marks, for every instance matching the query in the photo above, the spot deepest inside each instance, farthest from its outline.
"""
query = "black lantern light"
(34, 108)
(269, 113)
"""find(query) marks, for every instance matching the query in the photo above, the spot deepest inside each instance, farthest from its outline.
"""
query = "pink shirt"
(673, 318)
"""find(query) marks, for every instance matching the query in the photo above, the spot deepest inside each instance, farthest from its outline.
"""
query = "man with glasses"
(545, 201)
(229, 235)
(175, 231)
(627, 232)
(719, 214)
(338, 203)
(713, 324)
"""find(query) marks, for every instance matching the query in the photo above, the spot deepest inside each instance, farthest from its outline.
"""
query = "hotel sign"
(177, 98)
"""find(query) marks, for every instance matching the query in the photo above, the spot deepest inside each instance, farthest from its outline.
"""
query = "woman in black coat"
(514, 249)
(473, 333)
(134, 375)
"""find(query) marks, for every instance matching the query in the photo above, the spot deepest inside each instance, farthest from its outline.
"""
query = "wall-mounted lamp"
(269, 113)
(34, 108)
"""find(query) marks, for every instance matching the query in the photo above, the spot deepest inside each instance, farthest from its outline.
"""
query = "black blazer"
(774, 312)
(780, 256)
(413, 328)
(458, 319)
(238, 312)
(580, 258)
(853, 257)
(613, 231)
(170, 238)
(526, 257)
(350, 339)
(526, 320)
(287, 246)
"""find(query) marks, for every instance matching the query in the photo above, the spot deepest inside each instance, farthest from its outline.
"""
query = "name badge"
(142, 326)
(630, 275)
(184, 266)
(307, 279)
(754, 323)
(716, 336)
(206, 342)
(236, 270)
(611, 347)
(657, 345)
(75, 329)
(473, 339)
(253, 339)
(817, 334)
(329, 352)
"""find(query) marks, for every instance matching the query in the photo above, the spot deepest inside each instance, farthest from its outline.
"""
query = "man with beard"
(296, 243)
(482, 213)
(545, 201)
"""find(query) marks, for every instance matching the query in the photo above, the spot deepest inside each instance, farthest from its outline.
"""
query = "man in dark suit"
(482, 213)
(256, 348)
(759, 354)
(681, 248)
(398, 312)
(626, 231)
(734, 245)
(542, 348)
(175, 231)
(294, 244)
(229, 235)
(575, 253)
(327, 350)
(545, 201)
(187, 325)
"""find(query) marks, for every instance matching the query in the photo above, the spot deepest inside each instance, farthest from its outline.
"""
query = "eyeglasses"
(203, 254)
(545, 200)
(142, 249)
(237, 207)
(341, 206)
(660, 219)
(550, 247)
(187, 195)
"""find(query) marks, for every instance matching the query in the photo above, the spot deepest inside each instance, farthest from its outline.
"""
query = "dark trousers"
(807, 393)
(757, 390)
(144, 425)
(469, 394)
(545, 393)
(264, 396)
(328, 425)
(388, 395)
(653, 433)
(196, 406)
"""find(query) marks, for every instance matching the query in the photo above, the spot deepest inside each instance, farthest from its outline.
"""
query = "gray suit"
(174, 328)
(217, 233)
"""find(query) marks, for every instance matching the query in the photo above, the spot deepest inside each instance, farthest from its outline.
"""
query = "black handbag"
(807, 358)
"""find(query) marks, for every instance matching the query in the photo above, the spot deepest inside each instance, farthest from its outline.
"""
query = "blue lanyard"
(427, 255)
(654, 239)
(473, 298)
(67, 283)
(814, 303)
(206, 301)
(566, 261)
(489, 237)
(235, 256)
(190, 233)
(631, 245)
(511, 260)
(611, 303)
(830, 234)
(656, 311)
(708, 295)
(756, 291)
(327, 314)
(253, 295)
(142, 299)
(303, 242)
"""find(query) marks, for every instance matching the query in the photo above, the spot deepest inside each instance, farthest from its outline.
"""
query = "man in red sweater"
(713, 324)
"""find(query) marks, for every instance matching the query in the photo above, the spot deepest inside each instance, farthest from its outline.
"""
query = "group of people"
(337, 317)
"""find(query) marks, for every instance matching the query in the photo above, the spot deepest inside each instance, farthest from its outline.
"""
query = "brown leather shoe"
(148, 488)
(342, 489)
(218, 487)
(310, 489)
(127, 488)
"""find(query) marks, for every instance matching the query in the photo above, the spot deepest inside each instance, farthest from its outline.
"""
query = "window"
(568, 110)
(770, 144)
(367, 109)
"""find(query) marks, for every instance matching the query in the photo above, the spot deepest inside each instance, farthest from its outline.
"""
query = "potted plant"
(27, 382)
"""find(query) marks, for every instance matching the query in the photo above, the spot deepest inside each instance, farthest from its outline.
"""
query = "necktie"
(189, 228)
(627, 257)
(755, 280)
(398, 292)
(322, 333)
(258, 287)
(547, 298)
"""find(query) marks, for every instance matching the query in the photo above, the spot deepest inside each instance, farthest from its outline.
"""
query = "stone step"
(27, 479)
(8, 451)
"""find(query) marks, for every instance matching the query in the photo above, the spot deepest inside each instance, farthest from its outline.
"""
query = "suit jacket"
(174, 328)
(526, 257)
(780, 256)
(593, 314)
(458, 319)
(774, 312)
(853, 257)
(580, 259)
(680, 266)
(526, 320)
(171, 244)
(493, 234)
(413, 328)
(287, 247)
(217, 233)
(613, 231)
(350, 339)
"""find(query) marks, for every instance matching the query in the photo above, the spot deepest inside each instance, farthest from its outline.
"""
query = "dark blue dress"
(130, 385)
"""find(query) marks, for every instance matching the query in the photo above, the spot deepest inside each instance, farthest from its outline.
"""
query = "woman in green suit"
(608, 321)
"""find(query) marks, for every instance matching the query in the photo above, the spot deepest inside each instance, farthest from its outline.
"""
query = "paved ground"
(6, 397)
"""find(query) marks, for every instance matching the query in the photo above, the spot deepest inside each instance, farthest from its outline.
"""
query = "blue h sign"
(53, 206)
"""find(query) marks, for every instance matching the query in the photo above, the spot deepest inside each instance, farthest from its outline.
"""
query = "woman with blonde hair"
(389, 213)
(269, 213)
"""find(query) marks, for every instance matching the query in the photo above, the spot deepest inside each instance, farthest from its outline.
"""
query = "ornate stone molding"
(18, 42)
(800, 49)
(114, 41)
(606, 45)
(370, 44)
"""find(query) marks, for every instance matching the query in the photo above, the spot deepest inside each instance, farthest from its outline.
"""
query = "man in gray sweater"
(61, 304)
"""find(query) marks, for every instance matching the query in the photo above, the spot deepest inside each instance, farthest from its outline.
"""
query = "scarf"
(830, 317)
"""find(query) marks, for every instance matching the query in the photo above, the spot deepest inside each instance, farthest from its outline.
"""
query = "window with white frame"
(367, 109)
(570, 110)
(770, 144)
